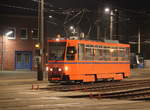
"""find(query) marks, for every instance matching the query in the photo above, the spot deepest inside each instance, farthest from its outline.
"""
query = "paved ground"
(16, 94)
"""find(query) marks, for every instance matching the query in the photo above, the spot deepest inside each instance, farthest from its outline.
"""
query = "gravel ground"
(16, 93)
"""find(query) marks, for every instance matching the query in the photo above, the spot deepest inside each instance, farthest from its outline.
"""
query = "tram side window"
(107, 53)
(98, 54)
(71, 51)
(81, 52)
(114, 51)
(89, 52)
(121, 54)
(126, 54)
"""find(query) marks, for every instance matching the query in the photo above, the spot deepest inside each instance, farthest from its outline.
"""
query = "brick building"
(18, 36)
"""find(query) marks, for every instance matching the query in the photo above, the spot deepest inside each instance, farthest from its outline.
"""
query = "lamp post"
(139, 41)
(111, 24)
(111, 14)
(97, 23)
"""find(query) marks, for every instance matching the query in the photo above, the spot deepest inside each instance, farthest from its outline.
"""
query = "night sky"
(29, 7)
(92, 4)
(132, 13)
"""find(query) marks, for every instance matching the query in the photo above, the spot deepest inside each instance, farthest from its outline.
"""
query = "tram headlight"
(59, 69)
(51, 69)
(66, 68)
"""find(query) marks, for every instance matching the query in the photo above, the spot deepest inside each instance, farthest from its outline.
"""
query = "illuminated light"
(50, 16)
(71, 27)
(57, 39)
(66, 68)
(59, 69)
(107, 10)
(8, 33)
(37, 45)
(111, 13)
(111, 50)
(58, 36)
(47, 68)
(51, 69)
(52, 10)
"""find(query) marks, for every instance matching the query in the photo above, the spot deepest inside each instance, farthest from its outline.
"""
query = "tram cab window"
(71, 51)
(56, 50)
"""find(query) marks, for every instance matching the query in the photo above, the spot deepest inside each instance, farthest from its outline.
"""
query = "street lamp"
(72, 29)
(107, 10)
(50, 16)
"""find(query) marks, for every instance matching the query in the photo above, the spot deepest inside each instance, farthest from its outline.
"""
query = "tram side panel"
(87, 68)
(92, 72)
(88, 72)
(110, 66)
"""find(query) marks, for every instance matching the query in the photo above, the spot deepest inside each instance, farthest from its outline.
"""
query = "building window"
(11, 33)
(23, 33)
(34, 33)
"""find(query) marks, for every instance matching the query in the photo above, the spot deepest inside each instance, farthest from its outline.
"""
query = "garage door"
(23, 60)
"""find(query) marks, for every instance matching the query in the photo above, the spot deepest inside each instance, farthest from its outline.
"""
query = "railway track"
(136, 94)
(131, 90)
(102, 86)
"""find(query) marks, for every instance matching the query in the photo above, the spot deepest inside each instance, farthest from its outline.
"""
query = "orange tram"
(87, 61)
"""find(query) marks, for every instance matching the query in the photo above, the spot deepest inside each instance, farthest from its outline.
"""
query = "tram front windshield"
(56, 50)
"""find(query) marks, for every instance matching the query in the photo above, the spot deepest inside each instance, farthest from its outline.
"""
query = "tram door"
(23, 60)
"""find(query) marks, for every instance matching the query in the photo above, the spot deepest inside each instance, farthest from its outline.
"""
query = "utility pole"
(98, 32)
(139, 41)
(117, 25)
(40, 67)
(98, 17)
(111, 25)
(2, 53)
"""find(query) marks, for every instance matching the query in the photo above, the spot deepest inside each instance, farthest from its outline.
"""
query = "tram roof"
(91, 42)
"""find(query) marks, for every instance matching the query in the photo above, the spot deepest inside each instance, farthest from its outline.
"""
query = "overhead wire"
(83, 12)
(18, 7)
(73, 17)
(45, 3)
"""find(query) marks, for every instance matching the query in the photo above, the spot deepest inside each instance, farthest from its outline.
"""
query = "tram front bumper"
(57, 77)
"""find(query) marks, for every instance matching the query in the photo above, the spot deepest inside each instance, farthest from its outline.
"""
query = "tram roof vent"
(111, 41)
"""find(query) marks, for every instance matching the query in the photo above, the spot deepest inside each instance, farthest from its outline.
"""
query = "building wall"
(0, 51)
(8, 47)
